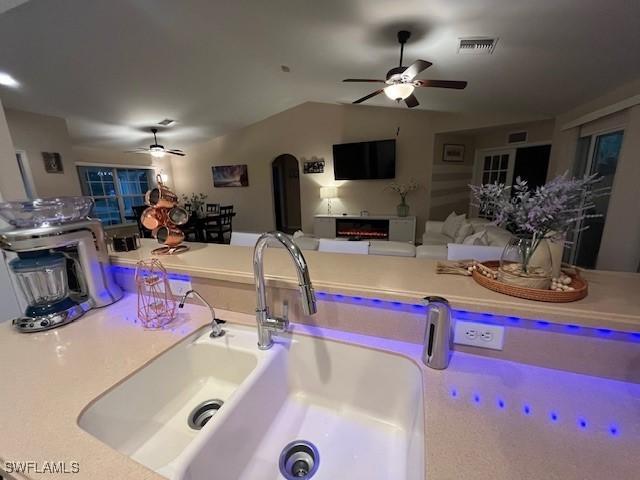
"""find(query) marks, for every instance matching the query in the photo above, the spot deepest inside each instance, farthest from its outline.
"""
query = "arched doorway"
(286, 193)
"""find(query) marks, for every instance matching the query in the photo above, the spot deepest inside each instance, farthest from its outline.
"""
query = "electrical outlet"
(479, 335)
(179, 286)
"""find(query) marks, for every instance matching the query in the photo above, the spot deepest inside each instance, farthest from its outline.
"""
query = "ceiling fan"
(156, 149)
(401, 80)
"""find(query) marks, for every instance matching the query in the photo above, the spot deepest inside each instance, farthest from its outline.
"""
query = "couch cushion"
(306, 243)
(452, 224)
(498, 237)
(479, 238)
(343, 246)
(435, 252)
(478, 223)
(393, 249)
(432, 238)
(463, 232)
(482, 253)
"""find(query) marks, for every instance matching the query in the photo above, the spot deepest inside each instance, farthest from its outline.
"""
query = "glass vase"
(402, 209)
(526, 262)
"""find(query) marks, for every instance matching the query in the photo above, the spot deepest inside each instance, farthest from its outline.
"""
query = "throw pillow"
(465, 230)
(498, 237)
(478, 238)
(452, 224)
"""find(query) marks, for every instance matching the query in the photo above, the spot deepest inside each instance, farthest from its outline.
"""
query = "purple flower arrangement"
(548, 211)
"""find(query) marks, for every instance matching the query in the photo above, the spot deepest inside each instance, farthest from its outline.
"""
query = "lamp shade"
(328, 192)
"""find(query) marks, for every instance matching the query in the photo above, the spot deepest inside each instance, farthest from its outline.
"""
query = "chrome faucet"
(438, 335)
(267, 324)
(216, 329)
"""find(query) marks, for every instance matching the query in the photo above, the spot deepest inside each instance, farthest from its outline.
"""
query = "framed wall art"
(230, 176)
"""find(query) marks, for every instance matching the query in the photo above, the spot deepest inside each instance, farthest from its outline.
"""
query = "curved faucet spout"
(266, 324)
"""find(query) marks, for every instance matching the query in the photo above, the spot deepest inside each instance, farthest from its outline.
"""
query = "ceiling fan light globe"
(399, 91)
(157, 152)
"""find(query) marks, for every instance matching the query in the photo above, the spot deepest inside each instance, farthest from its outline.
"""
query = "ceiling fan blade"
(411, 101)
(362, 80)
(459, 85)
(138, 150)
(176, 152)
(373, 94)
(415, 68)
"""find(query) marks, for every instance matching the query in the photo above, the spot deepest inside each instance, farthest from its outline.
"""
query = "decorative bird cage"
(156, 304)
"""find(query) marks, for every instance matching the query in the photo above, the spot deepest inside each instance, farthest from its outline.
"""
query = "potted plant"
(197, 201)
(533, 215)
(403, 190)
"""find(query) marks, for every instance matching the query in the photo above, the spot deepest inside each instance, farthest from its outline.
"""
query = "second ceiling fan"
(401, 82)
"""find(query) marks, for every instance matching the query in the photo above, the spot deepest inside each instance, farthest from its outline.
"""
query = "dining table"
(199, 223)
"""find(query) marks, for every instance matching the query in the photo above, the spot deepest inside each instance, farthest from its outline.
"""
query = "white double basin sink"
(361, 408)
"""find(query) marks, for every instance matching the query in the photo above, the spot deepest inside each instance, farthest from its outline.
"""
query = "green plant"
(197, 200)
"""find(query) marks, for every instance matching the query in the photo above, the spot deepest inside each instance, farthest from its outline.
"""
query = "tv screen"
(364, 160)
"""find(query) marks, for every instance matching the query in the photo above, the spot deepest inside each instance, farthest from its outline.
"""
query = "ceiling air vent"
(477, 45)
(517, 137)
(167, 122)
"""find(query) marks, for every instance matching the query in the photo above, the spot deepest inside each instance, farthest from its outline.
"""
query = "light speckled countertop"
(613, 301)
(476, 425)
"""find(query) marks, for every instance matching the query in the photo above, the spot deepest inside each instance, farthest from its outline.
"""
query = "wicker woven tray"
(577, 282)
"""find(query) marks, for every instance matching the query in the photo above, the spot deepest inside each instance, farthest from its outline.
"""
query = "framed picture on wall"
(453, 153)
(230, 176)
(52, 162)
(314, 166)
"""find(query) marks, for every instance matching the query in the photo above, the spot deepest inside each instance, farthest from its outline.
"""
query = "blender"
(59, 261)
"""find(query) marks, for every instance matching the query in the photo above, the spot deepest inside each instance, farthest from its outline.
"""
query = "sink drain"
(200, 415)
(299, 460)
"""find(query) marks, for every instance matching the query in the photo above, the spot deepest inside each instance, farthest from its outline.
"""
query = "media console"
(372, 227)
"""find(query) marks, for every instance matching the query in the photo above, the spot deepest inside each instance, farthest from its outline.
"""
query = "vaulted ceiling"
(115, 67)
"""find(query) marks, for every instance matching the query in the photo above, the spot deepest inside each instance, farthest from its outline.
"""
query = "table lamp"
(328, 193)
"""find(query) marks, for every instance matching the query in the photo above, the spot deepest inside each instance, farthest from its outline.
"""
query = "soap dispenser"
(438, 335)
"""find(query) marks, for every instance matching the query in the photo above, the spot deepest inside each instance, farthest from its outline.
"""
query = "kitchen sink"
(147, 416)
(362, 410)
(220, 408)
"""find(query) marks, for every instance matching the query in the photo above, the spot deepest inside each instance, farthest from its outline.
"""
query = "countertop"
(476, 424)
(613, 301)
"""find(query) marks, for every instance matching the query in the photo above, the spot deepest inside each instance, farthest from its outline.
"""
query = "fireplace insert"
(362, 228)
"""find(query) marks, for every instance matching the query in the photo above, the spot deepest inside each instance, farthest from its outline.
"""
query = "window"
(115, 191)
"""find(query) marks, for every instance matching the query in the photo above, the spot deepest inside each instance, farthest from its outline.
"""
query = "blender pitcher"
(42, 278)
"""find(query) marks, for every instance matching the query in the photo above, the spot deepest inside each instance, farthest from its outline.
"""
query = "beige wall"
(308, 132)
(565, 140)
(537, 132)
(620, 248)
(11, 186)
(115, 157)
(35, 133)
(449, 188)
(449, 182)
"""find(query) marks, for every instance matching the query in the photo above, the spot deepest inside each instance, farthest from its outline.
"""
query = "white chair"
(343, 246)
(244, 239)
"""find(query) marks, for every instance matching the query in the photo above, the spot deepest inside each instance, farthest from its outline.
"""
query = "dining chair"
(216, 228)
(137, 213)
(192, 229)
(213, 208)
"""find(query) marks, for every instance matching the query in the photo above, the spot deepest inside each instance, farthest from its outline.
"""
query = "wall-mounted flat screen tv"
(365, 160)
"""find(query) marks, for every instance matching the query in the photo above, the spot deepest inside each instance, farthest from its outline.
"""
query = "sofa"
(459, 238)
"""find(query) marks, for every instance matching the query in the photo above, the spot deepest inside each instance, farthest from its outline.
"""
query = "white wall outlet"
(179, 286)
(479, 335)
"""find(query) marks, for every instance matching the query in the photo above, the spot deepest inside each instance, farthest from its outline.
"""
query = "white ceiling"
(115, 67)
